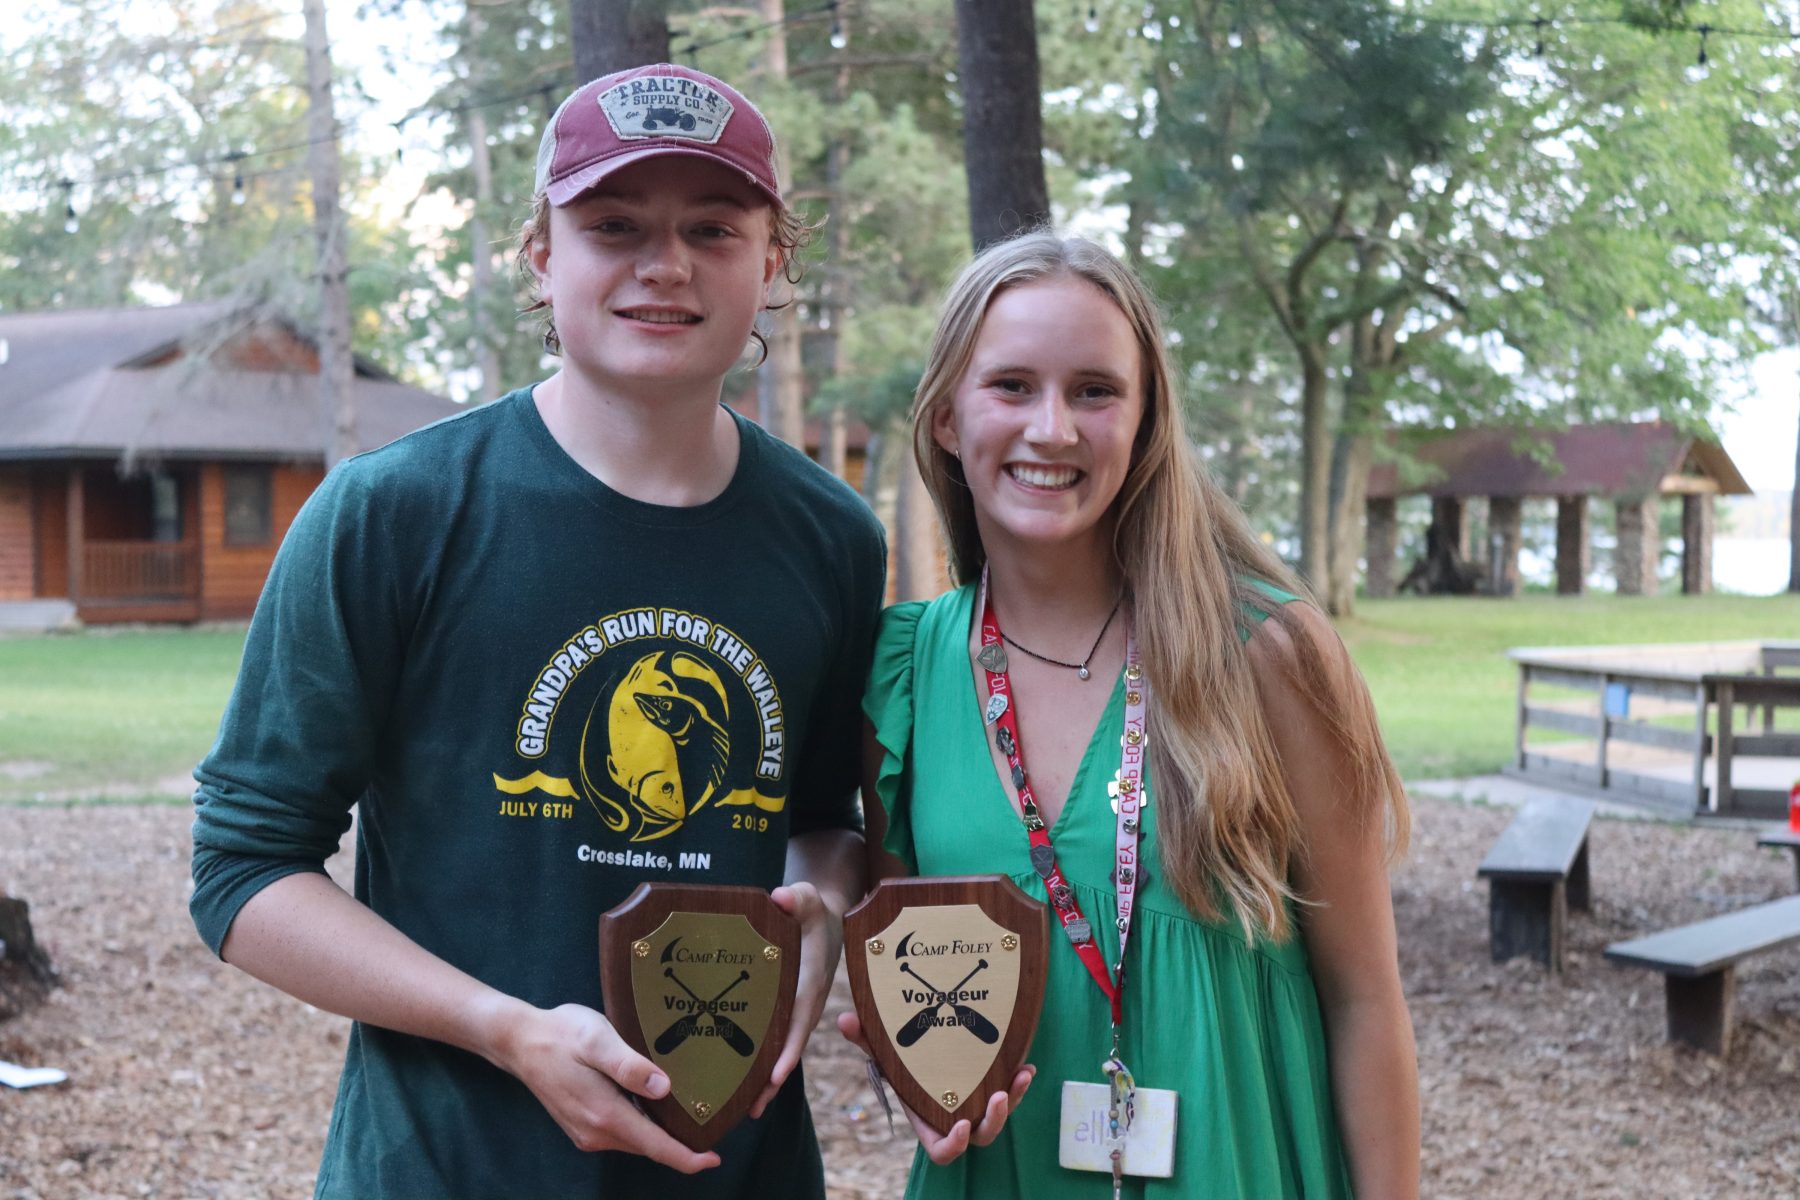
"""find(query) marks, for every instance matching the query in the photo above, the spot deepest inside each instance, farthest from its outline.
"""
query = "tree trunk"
(1315, 469)
(481, 257)
(918, 574)
(1794, 500)
(337, 370)
(780, 383)
(1355, 454)
(835, 300)
(615, 35)
(1003, 124)
(25, 970)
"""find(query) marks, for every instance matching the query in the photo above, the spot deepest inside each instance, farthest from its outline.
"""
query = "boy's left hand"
(821, 942)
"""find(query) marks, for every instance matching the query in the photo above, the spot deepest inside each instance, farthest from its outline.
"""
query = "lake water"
(1751, 566)
(1746, 566)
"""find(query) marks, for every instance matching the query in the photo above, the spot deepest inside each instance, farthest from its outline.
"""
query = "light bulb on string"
(1538, 24)
(839, 39)
(235, 158)
(71, 220)
(1704, 30)
(1092, 24)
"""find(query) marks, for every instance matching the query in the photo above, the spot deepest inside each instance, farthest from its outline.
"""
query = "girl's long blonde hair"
(1228, 826)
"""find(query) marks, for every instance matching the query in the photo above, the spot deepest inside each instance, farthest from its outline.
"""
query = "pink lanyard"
(999, 713)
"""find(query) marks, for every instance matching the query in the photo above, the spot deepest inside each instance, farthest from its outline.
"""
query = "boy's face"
(657, 274)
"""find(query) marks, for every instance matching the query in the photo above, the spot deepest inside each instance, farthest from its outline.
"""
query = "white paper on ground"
(15, 1076)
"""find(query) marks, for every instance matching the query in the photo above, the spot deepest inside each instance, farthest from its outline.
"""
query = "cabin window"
(165, 508)
(249, 516)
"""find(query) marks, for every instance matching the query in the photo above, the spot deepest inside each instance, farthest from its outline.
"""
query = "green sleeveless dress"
(1234, 1028)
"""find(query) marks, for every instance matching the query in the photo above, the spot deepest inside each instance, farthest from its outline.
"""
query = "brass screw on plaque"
(641, 949)
(875, 946)
(702, 1109)
(1009, 942)
(950, 1099)
(771, 952)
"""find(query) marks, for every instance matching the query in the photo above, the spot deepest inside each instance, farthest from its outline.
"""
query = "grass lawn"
(120, 715)
(1446, 690)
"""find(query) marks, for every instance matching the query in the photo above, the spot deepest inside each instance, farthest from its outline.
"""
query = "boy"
(597, 632)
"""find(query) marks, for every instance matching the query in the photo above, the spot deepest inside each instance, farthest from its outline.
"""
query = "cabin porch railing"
(139, 570)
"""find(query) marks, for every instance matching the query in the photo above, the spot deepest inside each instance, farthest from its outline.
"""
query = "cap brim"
(569, 187)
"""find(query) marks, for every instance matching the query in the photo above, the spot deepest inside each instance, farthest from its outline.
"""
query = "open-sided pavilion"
(1632, 464)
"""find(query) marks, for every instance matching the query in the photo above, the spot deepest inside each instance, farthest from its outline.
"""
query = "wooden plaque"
(948, 977)
(700, 980)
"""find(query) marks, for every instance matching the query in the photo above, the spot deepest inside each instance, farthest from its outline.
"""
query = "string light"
(71, 222)
(236, 159)
(1092, 25)
(1704, 30)
(839, 39)
(1538, 25)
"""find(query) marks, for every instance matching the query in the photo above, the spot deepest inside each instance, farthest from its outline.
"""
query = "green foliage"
(121, 108)
(1594, 232)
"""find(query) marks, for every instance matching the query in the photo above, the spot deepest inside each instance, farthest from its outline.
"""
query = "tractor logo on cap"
(666, 106)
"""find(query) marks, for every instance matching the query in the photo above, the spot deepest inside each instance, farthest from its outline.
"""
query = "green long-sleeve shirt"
(539, 693)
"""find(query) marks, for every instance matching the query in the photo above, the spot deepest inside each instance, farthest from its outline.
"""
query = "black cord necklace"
(1080, 668)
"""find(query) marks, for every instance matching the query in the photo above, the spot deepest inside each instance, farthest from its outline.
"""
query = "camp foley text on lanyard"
(1003, 720)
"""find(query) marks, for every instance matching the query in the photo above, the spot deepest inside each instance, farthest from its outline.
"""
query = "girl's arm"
(1347, 914)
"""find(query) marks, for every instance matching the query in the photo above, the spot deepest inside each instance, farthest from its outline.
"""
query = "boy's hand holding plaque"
(700, 980)
(948, 978)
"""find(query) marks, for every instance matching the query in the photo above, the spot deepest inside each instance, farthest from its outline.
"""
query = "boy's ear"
(537, 253)
(771, 265)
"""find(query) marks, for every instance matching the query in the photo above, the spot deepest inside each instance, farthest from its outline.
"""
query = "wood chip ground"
(190, 1080)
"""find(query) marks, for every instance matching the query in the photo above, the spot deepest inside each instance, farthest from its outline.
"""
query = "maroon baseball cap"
(629, 116)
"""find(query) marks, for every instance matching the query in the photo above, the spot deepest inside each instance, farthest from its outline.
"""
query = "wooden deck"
(1698, 728)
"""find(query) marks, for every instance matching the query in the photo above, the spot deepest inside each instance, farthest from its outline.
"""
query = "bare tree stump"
(25, 970)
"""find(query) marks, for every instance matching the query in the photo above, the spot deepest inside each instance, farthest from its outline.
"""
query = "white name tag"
(1149, 1151)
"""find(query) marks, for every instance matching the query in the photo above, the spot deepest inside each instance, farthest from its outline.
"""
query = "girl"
(1205, 802)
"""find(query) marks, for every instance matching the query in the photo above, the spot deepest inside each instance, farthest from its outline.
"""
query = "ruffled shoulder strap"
(1253, 615)
(888, 704)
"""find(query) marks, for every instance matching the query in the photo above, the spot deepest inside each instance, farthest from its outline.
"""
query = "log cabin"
(151, 459)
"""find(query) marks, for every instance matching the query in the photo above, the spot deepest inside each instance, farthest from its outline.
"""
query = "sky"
(1761, 435)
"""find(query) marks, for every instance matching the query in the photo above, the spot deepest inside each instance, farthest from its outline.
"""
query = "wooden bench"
(1788, 838)
(1536, 871)
(1698, 963)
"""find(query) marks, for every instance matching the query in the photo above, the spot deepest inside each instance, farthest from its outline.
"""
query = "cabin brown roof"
(185, 381)
(1618, 459)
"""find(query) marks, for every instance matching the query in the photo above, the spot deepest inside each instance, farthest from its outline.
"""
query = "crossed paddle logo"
(927, 1017)
(688, 1024)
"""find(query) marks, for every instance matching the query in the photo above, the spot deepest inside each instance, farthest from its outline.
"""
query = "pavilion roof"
(1619, 459)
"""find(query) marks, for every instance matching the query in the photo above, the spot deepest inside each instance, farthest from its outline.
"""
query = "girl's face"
(1045, 417)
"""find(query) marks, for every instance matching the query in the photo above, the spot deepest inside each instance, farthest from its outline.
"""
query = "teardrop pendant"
(1082, 671)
